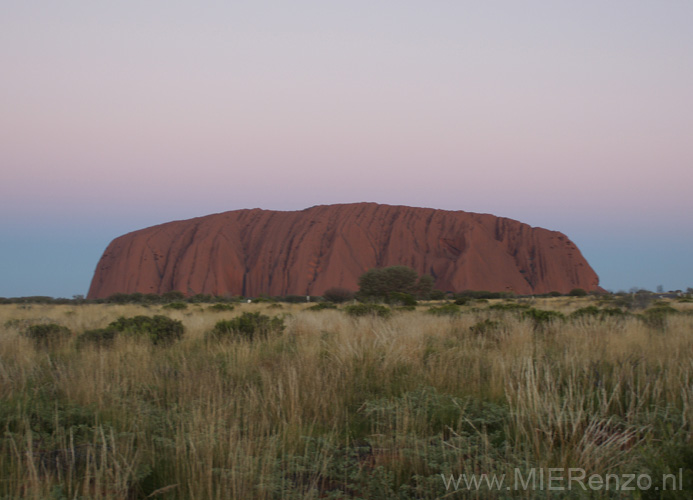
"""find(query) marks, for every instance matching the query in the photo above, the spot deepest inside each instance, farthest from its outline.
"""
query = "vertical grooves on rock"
(249, 252)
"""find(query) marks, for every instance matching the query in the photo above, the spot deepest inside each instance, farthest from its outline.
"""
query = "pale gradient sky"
(574, 116)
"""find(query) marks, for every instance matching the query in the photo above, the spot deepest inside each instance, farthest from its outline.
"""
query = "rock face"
(253, 252)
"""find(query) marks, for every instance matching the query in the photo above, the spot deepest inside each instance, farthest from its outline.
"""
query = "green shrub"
(614, 312)
(102, 337)
(338, 295)
(661, 309)
(17, 323)
(176, 305)
(438, 412)
(292, 299)
(540, 316)
(173, 296)
(595, 312)
(47, 334)
(156, 329)
(508, 306)
(201, 298)
(379, 283)
(401, 299)
(368, 309)
(586, 311)
(445, 310)
(484, 294)
(485, 327)
(220, 307)
(577, 292)
(405, 308)
(321, 306)
(124, 298)
(656, 317)
(463, 301)
(248, 326)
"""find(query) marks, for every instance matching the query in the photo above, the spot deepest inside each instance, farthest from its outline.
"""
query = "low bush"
(293, 299)
(173, 296)
(176, 305)
(17, 323)
(368, 309)
(102, 337)
(508, 306)
(614, 312)
(401, 299)
(247, 326)
(321, 306)
(48, 334)
(595, 312)
(484, 294)
(338, 295)
(157, 329)
(485, 327)
(405, 308)
(445, 310)
(220, 307)
(656, 317)
(201, 298)
(438, 413)
(541, 317)
(586, 311)
(577, 292)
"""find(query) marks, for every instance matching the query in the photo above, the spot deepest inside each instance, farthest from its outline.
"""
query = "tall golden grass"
(336, 406)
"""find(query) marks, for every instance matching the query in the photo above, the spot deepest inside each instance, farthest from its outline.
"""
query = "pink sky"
(575, 117)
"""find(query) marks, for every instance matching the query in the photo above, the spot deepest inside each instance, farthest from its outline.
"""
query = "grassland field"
(335, 406)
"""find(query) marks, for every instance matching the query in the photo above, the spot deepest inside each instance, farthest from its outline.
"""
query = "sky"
(573, 116)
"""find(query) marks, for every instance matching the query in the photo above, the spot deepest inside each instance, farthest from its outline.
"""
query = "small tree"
(381, 282)
(424, 287)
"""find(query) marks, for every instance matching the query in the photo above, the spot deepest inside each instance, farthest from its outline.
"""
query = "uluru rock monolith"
(253, 252)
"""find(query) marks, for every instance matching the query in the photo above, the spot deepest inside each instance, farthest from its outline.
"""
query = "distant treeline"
(392, 285)
(176, 296)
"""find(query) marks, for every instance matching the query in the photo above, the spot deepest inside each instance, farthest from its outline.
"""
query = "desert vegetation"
(121, 400)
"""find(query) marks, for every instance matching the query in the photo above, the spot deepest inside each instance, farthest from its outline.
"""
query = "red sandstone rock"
(253, 252)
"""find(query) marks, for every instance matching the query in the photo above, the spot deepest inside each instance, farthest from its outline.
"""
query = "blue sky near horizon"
(574, 116)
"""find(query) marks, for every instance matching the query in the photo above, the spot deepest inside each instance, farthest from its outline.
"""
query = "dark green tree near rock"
(380, 283)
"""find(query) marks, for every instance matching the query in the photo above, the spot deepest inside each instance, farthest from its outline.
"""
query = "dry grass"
(363, 408)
